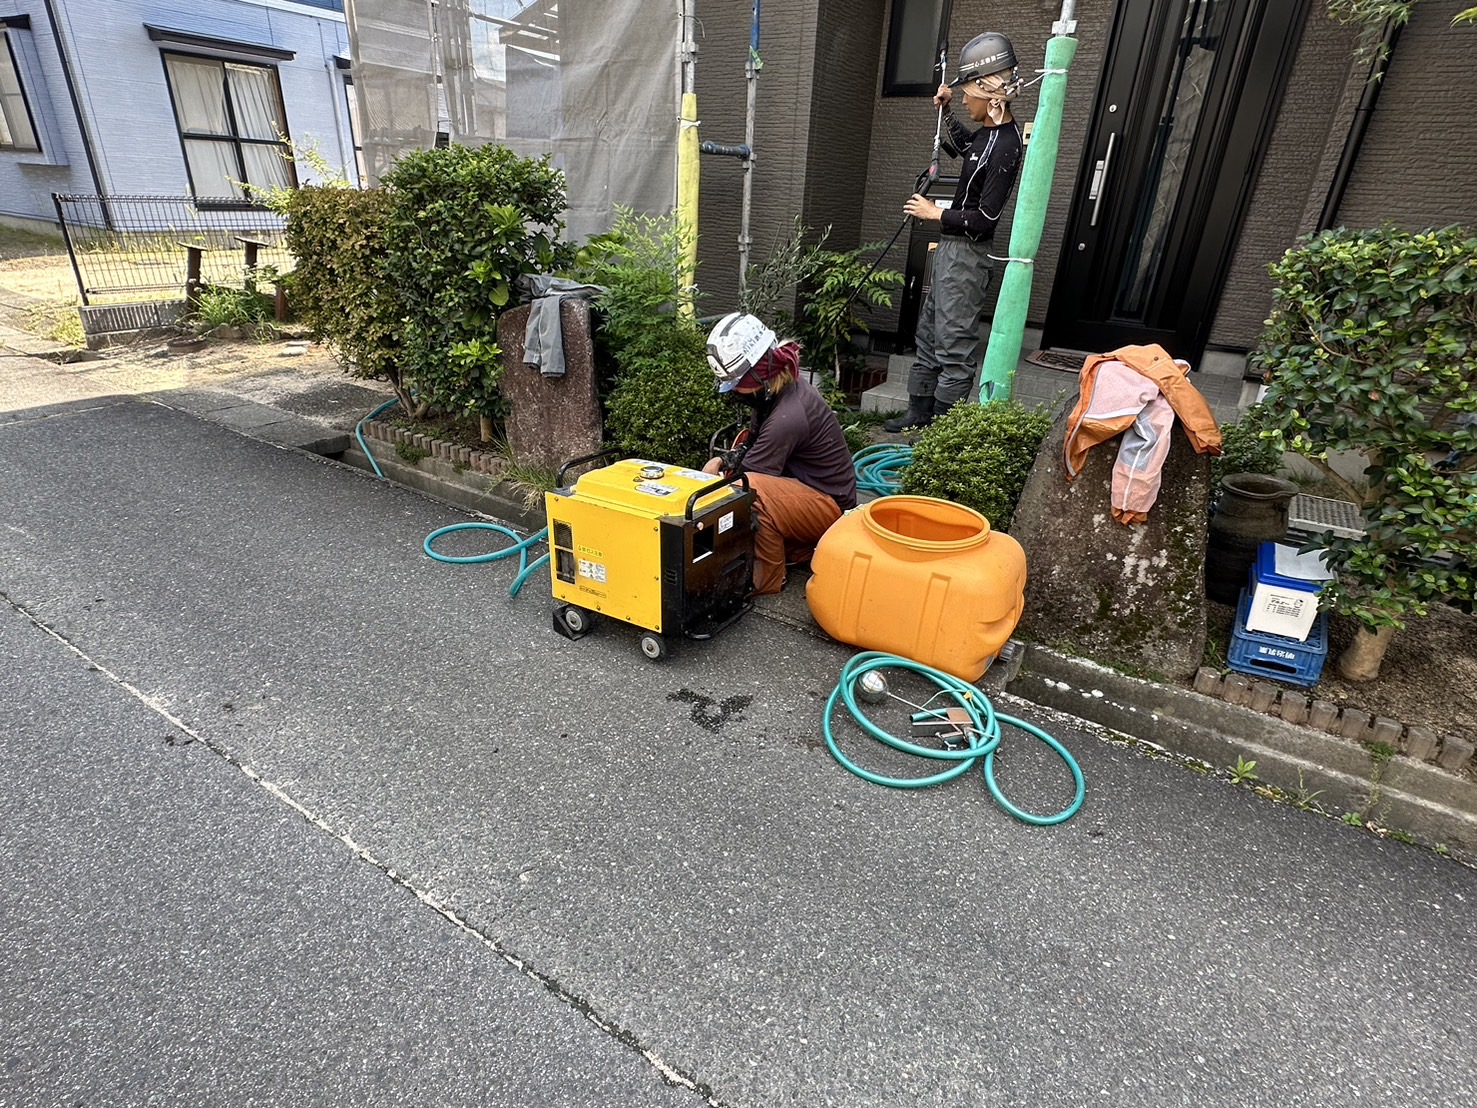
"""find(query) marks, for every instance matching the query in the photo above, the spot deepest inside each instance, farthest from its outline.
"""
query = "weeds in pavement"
(1243, 772)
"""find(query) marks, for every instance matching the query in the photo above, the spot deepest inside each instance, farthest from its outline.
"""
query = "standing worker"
(794, 454)
(949, 346)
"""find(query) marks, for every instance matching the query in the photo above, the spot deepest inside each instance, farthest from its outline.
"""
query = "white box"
(1284, 591)
(1278, 611)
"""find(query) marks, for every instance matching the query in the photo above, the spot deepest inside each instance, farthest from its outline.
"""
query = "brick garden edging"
(479, 461)
(1452, 753)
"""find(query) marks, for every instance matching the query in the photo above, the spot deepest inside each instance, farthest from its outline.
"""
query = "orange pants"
(792, 518)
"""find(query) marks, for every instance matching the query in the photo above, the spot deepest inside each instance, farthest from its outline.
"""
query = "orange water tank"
(921, 578)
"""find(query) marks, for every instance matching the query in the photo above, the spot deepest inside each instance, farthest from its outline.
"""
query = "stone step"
(892, 394)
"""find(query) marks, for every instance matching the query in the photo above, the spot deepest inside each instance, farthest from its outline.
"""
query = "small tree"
(832, 285)
(663, 404)
(1372, 348)
(465, 223)
(338, 286)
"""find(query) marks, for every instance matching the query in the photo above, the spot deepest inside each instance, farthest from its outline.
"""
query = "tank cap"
(651, 473)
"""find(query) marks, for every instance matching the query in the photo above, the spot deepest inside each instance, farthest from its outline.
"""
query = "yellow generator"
(668, 549)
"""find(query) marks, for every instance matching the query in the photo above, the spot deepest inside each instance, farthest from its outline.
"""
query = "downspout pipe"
(1007, 329)
(87, 148)
(1349, 157)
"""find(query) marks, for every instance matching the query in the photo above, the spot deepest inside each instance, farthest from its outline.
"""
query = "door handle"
(1100, 179)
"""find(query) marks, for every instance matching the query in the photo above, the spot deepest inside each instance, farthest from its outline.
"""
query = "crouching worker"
(794, 454)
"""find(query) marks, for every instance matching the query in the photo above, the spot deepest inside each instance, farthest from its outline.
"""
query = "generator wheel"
(653, 646)
(572, 621)
(578, 620)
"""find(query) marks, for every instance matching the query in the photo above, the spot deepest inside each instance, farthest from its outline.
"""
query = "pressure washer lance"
(921, 186)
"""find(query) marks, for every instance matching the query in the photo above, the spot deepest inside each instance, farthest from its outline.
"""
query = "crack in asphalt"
(668, 1073)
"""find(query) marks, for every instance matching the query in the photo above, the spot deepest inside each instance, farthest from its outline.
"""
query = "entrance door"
(1189, 92)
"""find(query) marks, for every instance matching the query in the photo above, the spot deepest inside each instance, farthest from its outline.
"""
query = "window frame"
(891, 85)
(8, 57)
(234, 140)
(356, 135)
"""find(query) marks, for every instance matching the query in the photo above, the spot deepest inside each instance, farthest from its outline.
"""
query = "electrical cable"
(983, 734)
(878, 466)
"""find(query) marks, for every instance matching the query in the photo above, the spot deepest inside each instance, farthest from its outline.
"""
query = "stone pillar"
(551, 419)
(1129, 597)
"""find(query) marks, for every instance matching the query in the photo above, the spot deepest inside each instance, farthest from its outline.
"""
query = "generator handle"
(567, 466)
(698, 494)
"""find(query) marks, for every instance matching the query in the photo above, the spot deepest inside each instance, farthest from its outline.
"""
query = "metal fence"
(131, 248)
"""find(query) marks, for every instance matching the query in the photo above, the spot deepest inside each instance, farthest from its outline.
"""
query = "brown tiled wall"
(820, 115)
(1307, 138)
(782, 130)
(1418, 166)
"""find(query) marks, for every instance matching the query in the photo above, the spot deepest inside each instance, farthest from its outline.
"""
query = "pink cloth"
(1121, 398)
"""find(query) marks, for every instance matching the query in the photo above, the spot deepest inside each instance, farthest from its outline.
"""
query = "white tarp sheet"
(593, 83)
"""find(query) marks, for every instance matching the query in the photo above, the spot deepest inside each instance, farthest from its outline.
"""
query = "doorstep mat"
(1069, 361)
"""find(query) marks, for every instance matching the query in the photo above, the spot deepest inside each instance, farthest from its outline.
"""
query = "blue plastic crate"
(1260, 654)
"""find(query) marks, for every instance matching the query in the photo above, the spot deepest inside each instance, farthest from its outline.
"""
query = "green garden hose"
(878, 467)
(520, 548)
(359, 434)
(984, 737)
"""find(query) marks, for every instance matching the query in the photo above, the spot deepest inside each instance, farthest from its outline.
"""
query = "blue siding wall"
(121, 86)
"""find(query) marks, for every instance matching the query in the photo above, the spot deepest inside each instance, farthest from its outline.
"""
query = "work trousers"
(791, 519)
(948, 336)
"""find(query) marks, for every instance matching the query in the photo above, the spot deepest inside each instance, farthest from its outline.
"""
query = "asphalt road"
(292, 814)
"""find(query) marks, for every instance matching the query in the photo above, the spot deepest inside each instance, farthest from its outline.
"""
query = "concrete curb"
(477, 492)
(1403, 794)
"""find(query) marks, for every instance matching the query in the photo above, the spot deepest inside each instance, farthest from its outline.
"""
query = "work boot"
(919, 414)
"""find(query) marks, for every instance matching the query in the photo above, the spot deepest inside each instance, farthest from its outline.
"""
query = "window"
(16, 129)
(356, 135)
(232, 126)
(912, 48)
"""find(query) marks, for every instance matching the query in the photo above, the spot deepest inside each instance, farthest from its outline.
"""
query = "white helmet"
(736, 344)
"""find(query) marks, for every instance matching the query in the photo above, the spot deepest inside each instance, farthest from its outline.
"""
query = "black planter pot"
(1250, 509)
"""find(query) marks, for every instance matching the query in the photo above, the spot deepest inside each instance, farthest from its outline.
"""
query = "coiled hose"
(984, 735)
(878, 467)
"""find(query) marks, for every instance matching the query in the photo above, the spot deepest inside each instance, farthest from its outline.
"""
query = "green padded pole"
(1008, 329)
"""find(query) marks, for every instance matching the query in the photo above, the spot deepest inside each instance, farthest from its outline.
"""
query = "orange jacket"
(1111, 403)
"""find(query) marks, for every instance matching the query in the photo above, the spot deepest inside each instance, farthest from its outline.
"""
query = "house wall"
(1322, 91)
(27, 179)
(123, 93)
(783, 106)
(1418, 164)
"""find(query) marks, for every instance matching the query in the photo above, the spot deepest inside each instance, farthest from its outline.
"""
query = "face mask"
(755, 400)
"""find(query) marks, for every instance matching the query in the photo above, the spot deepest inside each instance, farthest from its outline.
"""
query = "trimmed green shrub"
(464, 224)
(666, 408)
(663, 404)
(339, 288)
(978, 455)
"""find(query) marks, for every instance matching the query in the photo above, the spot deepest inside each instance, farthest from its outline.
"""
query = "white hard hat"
(736, 344)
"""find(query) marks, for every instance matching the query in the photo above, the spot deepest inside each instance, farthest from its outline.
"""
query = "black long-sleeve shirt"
(992, 158)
